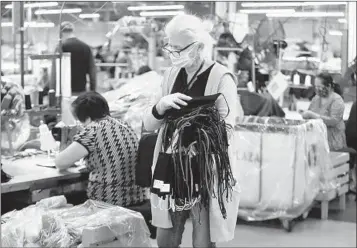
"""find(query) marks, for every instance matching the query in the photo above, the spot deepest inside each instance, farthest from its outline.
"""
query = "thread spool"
(34, 98)
(40, 97)
(52, 98)
(28, 102)
(308, 81)
(296, 79)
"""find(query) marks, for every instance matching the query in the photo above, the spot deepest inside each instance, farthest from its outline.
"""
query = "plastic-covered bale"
(53, 223)
(283, 165)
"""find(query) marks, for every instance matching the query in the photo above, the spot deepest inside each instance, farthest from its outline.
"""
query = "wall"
(304, 29)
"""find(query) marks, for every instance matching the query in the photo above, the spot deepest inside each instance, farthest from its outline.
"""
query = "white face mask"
(184, 59)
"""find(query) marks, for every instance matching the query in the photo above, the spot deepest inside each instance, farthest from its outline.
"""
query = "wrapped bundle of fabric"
(129, 102)
(196, 145)
(283, 165)
(15, 123)
(53, 223)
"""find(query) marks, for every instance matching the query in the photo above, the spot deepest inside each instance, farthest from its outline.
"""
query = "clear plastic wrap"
(283, 166)
(52, 223)
(130, 101)
(15, 124)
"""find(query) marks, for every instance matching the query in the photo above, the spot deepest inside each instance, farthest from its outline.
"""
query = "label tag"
(165, 188)
(250, 87)
(158, 184)
(196, 185)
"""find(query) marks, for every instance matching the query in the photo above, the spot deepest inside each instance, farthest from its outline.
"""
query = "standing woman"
(195, 75)
(329, 106)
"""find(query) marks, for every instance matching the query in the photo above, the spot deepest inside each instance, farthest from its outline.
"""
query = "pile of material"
(54, 223)
(130, 101)
(282, 185)
(14, 123)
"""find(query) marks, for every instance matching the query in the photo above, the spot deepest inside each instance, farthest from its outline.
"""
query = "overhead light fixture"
(6, 24)
(160, 13)
(162, 7)
(323, 3)
(335, 33)
(265, 11)
(342, 20)
(35, 5)
(289, 4)
(93, 15)
(307, 14)
(31, 24)
(273, 4)
(57, 11)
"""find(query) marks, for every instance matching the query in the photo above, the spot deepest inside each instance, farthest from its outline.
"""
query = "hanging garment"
(145, 156)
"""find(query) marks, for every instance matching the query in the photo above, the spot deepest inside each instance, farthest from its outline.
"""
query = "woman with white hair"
(192, 75)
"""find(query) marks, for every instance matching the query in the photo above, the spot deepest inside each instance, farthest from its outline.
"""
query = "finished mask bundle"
(196, 157)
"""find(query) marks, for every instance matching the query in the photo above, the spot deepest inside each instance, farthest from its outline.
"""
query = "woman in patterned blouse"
(329, 106)
(109, 147)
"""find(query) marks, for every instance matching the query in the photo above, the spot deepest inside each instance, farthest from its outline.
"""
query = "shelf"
(49, 111)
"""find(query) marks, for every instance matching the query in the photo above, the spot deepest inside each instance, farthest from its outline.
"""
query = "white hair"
(191, 26)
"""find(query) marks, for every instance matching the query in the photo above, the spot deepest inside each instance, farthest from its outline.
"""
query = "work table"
(28, 176)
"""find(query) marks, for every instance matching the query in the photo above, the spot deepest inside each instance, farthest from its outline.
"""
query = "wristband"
(156, 114)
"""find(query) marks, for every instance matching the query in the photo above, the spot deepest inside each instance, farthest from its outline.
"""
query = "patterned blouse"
(334, 109)
(112, 146)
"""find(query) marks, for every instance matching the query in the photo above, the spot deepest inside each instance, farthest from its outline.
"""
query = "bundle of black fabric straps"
(195, 154)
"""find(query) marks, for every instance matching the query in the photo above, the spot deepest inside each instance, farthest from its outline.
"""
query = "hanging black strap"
(193, 78)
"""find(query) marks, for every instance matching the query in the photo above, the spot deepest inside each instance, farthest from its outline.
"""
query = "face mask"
(322, 92)
(182, 61)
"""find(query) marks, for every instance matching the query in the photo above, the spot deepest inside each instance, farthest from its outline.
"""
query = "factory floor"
(338, 231)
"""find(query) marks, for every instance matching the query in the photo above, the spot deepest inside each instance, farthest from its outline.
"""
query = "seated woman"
(109, 147)
(329, 106)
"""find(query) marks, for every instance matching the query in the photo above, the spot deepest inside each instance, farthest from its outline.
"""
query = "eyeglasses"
(176, 53)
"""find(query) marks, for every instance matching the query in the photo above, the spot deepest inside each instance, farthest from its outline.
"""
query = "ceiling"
(111, 11)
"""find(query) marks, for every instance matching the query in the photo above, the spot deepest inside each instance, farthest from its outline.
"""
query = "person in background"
(99, 58)
(329, 106)
(124, 58)
(186, 42)
(109, 147)
(82, 61)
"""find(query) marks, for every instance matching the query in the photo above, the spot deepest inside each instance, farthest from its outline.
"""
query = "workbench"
(31, 183)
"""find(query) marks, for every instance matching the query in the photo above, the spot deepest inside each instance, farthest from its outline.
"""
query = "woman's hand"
(310, 115)
(175, 101)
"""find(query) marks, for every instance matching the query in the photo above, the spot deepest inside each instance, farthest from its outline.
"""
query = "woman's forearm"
(329, 121)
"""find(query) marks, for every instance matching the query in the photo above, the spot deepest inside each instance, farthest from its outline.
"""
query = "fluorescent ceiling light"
(35, 5)
(323, 3)
(307, 14)
(31, 24)
(265, 11)
(162, 7)
(342, 20)
(94, 15)
(57, 11)
(273, 4)
(335, 32)
(160, 13)
(6, 24)
(289, 4)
